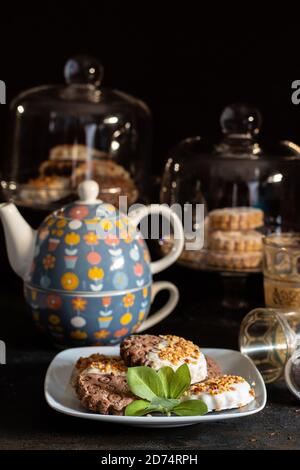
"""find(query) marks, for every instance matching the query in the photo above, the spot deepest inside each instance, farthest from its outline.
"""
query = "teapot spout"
(19, 238)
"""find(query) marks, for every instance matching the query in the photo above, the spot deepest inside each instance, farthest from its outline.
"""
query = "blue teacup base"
(88, 320)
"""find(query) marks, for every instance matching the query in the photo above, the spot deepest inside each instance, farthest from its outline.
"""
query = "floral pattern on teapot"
(89, 248)
(88, 320)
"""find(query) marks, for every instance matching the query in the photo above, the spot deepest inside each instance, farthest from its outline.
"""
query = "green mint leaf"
(137, 408)
(144, 382)
(190, 408)
(164, 404)
(166, 374)
(143, 407)
(180, 381)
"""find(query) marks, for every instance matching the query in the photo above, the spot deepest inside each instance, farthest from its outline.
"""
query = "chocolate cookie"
(213, 368)
(104, 393)
(98, 364)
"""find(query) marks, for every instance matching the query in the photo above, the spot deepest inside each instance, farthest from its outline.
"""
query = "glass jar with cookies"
(61, 135)
(248, 190)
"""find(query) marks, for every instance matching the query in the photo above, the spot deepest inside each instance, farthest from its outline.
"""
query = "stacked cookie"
(233, 241)
(70, 164)
(101, 386)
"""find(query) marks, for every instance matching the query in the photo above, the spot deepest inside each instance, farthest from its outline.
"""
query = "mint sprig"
(161, 392)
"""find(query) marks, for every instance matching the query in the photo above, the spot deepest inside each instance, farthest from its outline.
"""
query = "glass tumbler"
(269, 337)
(281, 269)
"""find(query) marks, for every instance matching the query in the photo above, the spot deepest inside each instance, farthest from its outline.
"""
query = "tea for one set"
(87, 271)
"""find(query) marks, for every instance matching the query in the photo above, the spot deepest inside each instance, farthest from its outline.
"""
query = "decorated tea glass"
(281, 270)
(269, 337)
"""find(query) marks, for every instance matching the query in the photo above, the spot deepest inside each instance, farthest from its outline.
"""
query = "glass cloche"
(61, 135)
(246, 191)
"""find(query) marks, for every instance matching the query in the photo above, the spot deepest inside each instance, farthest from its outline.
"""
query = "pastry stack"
(234, 242)
(69, 165)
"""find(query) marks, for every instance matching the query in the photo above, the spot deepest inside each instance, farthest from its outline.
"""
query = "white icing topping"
(197, 367)
(239, 395)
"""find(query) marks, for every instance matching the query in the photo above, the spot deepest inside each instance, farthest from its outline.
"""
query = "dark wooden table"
(26, 421)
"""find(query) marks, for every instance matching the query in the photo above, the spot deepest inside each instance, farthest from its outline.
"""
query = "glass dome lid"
(237, 171)
(246, 189)
(61, 135)
(89, 246)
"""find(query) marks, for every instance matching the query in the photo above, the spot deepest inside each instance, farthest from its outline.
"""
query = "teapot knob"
(88, 191)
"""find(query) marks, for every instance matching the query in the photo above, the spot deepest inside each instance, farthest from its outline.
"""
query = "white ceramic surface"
(137, 216)
(19, 237)
(61, 397)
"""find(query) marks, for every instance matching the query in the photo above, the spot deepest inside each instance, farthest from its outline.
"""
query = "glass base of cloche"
(234, 280)
(217, 261)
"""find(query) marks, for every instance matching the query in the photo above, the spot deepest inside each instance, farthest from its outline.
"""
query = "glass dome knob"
(240, 119)
(88, 191)
(83, 70)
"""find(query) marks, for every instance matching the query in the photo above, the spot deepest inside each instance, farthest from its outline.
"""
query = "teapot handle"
(171, 257)
(164, 311)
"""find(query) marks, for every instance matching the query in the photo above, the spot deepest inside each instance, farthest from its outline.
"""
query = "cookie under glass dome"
(61, 135)
(246, 190)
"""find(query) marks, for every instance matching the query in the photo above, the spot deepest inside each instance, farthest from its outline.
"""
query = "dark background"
(185, 63)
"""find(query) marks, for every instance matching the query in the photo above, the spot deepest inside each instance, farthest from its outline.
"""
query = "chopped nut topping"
(178, 349)
(218, 385)
(105, 364)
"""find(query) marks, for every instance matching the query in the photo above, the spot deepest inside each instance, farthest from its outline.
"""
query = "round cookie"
(241, 242)
(74, 153)
(164, 350)
(104, 393)
(98, 364)
(222, 393)
(45, 189)
(236, 218)
(113, 179)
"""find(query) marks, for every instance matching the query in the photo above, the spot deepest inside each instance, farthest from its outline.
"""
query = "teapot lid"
(88, 205)
(89, 247)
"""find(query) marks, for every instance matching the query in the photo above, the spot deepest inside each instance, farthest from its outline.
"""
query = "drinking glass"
(281, 269)
(269, 337)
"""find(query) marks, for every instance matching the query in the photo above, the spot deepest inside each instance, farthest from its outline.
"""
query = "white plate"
(60, 395)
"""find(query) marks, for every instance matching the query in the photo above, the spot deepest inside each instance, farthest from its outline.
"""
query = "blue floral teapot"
(87, 271)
